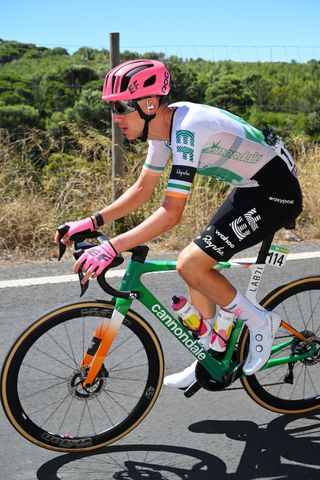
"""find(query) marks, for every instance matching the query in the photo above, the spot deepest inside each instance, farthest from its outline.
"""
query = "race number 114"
(277, 256)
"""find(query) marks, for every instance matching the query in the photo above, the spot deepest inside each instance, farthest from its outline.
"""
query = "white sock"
(207, 326)
(206, 332)
(249, 313)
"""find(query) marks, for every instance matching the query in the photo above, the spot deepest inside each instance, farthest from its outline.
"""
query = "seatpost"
(264, 249)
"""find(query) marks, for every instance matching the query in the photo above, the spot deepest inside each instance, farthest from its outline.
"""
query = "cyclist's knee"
(185, 263)
(192, 263)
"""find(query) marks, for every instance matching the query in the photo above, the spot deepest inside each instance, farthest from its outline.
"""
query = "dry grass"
(34, 200)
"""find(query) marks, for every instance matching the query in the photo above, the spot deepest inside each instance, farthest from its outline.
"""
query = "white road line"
(27, 282)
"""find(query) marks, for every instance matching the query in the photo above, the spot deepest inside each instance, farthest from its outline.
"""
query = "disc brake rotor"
(79, 392)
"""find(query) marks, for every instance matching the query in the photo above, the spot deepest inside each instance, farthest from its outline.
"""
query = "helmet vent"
(127, 77)
(150, 81)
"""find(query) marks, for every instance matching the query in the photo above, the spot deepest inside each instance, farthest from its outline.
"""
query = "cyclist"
(209, 141)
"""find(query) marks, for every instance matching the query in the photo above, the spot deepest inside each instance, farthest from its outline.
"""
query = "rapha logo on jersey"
(184, 173)
(224, 238)
(242, 227)
(209, 244)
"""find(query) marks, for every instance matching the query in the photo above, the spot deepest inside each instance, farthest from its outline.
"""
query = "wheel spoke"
(115, 401)
(46, 372)
(45, 384)
(60, 347)
(299, 305)
(55, 410)
(44, 390)
(127, 359)
(70, 344)
(46, 354)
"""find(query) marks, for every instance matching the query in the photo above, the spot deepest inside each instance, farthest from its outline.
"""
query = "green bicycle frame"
(217, 369)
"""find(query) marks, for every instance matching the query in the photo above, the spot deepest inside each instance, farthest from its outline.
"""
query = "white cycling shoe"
(182, 379)
(260, 344)
(185, 378)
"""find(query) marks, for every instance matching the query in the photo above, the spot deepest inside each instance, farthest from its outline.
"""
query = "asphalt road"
(217, 435)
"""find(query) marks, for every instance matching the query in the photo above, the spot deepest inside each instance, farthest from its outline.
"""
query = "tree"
(90, 109)
(14, 50)
(85, 53)
(229, 93)
(313, 124)
(258, 88)
(56, 96)
(19, 117)
(184, 84)
(14, 89)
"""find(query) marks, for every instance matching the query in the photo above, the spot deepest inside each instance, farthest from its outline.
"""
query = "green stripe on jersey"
(152, 167)
(178, 186)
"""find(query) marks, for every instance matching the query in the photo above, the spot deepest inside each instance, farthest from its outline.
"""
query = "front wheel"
(291, 387)
(41, 387)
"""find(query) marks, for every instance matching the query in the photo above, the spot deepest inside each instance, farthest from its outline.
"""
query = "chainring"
(204, 378)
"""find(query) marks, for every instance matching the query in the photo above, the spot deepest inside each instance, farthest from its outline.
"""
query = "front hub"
(79, 392)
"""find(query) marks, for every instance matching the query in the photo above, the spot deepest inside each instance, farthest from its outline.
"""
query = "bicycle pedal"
(192, 389)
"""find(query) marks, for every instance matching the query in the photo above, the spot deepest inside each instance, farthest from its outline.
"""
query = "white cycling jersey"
(212, 142)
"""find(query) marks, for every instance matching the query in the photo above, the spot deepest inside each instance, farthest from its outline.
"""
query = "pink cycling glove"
(79, 226)
(96, 259)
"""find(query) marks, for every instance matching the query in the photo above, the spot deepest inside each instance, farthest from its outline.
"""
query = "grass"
(41, 187)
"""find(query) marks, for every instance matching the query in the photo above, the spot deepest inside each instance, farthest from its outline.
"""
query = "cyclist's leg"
(203, 302)
(239, 223)
(262, 324)
(207, 308)
(205, 305)
(201, 263)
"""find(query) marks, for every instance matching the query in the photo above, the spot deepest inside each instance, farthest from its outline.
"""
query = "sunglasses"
(123, 107)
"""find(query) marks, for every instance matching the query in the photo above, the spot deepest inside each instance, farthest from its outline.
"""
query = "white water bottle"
(190, 317)
(222, 330)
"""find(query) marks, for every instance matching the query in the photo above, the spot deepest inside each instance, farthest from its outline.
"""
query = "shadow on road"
(286, 448)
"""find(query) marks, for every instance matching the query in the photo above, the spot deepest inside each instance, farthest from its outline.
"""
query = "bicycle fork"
(99, 347)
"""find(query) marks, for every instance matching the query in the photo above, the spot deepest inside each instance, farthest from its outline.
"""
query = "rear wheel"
(295, 387)
(41, 385)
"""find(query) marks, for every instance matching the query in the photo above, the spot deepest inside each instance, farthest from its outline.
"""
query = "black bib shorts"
(249, 215)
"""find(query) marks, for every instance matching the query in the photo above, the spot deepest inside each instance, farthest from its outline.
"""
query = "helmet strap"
(147, 119)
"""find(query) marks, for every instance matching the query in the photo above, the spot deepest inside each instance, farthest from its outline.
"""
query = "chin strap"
(147, 119)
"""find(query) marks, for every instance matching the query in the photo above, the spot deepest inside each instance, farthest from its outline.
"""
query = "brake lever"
(83, 287)
(77, 237)
(62, 230)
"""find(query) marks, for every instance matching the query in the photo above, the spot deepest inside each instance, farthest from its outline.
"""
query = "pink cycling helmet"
(136, 79)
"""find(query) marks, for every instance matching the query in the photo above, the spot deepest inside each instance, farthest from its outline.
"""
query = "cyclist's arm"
(139, 193)
(162, 220)
(142, 190)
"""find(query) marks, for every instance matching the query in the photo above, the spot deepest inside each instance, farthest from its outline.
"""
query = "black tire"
(298, 303)
(39, 391)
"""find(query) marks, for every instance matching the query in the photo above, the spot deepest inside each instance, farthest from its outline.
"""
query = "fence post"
(117, 144)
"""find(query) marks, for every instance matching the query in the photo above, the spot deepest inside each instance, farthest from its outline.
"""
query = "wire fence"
(214, 53)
